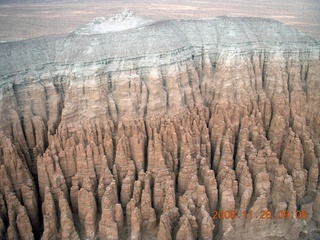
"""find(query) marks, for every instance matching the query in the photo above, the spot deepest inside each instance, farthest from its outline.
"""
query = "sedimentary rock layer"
(143, 133)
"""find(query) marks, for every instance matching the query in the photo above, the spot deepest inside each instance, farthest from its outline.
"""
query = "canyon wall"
(143, 133)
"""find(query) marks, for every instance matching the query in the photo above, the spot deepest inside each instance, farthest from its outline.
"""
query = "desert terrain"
(28, 19)
(179, 121)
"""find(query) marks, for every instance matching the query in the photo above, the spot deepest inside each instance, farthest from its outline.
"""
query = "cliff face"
(144, 132)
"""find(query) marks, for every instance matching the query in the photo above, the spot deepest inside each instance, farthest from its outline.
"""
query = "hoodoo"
(178, 129)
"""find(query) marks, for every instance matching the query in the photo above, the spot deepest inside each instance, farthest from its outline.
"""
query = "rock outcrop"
(147, 131)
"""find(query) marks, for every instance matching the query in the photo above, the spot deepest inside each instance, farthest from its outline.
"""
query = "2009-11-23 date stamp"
(263, 214)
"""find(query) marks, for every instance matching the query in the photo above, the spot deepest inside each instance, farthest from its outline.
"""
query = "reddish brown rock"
(146, 147)
(87, 210)
(185, 230)
(50, 222)
(136, 224)
(127, 188)
(68, 230)
(107, 226)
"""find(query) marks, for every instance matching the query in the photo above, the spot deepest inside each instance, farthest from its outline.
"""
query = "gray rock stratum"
(135, 129)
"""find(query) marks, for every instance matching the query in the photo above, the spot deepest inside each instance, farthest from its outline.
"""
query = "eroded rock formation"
(143, 132)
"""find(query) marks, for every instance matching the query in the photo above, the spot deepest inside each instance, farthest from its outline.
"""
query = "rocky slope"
(141, 133)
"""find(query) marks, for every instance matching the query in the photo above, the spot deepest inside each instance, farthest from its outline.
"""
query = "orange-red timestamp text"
(264, 214)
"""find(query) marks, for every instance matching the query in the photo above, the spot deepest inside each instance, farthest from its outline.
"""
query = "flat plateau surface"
(33, 18)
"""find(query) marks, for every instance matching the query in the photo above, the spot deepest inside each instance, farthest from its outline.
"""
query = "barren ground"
(32, 19)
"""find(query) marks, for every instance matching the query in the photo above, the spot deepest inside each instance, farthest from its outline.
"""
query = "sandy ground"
(37, 18)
